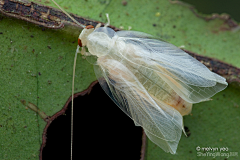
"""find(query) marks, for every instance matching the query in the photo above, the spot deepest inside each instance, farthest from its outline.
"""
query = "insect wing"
(134, 34)
(162, 123)
(189, 78)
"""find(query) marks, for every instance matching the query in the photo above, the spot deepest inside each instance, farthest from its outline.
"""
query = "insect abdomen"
(159, 90)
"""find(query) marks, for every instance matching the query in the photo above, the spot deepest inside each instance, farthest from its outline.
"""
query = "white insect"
(154, 82)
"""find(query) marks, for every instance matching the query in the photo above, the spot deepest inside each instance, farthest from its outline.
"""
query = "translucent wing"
(189, 78)
(137, 34)
(161, 122)
(134, 34)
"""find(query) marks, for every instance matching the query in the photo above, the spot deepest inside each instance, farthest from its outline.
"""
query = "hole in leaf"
(101, 131)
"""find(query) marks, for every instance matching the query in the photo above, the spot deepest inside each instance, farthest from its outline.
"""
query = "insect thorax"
(100, 41)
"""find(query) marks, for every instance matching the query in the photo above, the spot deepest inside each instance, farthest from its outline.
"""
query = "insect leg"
(98, 25)
(183, 128)
(84, 52)
(108, 23)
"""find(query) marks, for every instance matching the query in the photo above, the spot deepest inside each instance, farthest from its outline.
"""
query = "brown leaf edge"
(228, 71)
(53, 18)
(232, 25)
(144, 145)
(42, 15)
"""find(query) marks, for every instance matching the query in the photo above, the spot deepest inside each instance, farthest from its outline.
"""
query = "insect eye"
(89, 27)
(79, 42)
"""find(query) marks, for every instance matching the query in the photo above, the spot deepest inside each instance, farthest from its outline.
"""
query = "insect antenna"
(74, 66)
(83, 26)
